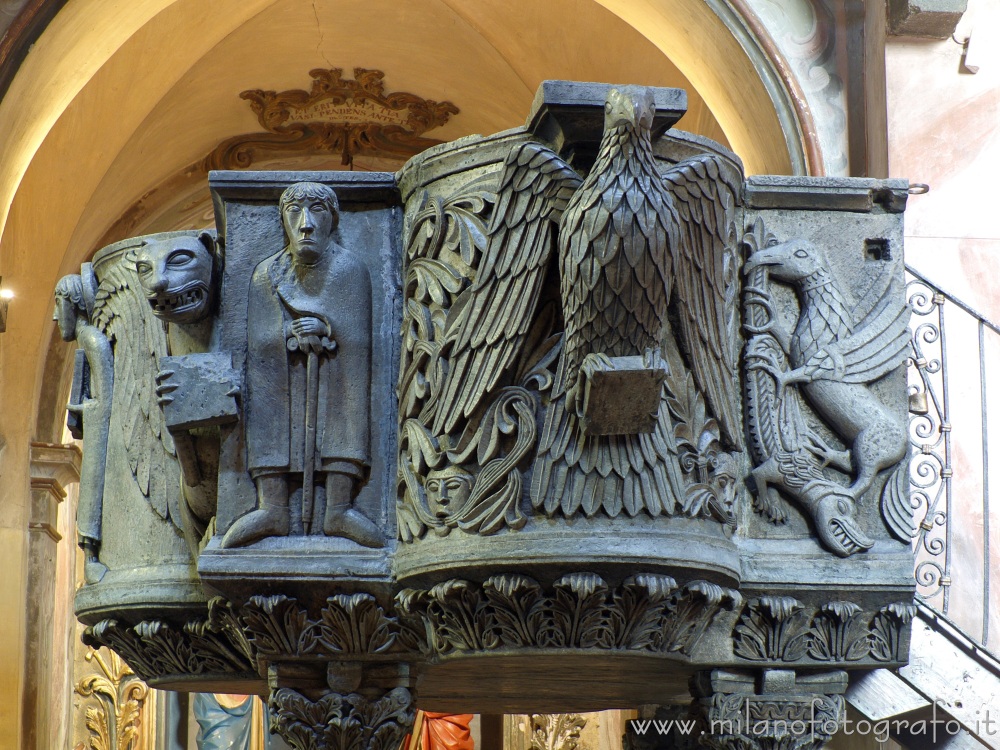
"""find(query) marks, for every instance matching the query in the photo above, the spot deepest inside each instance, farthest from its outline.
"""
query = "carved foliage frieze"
(348, 624)
(647, 613)
(783, 629)
(458, 472)
(156, 648)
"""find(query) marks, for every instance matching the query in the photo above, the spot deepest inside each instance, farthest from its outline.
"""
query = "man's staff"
(312, 346)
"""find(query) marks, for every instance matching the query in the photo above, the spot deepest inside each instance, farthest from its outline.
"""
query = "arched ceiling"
(116, 104)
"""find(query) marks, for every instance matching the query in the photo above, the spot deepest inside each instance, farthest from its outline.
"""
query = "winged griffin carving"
(826, 361)
(544, 310)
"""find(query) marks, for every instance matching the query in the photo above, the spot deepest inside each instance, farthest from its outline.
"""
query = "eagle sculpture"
(628, 242)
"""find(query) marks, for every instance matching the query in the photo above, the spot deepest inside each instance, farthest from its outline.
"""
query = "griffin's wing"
(879, 342)
(706, 278)
(139, 340)
(488, 323)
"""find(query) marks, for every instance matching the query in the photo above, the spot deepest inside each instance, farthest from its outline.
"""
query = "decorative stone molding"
(155, 649)
(783, 629)
(647, 613)
(349, 625)
(53, 466)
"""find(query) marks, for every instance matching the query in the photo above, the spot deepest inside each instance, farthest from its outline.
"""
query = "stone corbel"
(53, 467)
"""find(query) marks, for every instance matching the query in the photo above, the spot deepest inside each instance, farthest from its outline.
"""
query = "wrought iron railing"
(950, 409)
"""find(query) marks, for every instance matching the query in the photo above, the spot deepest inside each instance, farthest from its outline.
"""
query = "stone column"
(53, 466)
(774, 709)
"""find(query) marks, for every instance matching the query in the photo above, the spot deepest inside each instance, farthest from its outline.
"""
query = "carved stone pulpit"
(567, 418)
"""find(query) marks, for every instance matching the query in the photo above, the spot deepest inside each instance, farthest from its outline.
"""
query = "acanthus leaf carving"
(772, 628)
(839, 633)
(888, 627)
(154, 648)
(115, 722)
(646, 613)
(355, 624)
(691, 611)
(782, 629)
(464, 622)
(278, 625)
(519, 608)
(635, 618)
(346, 721)
(556, 731)
(579, 619)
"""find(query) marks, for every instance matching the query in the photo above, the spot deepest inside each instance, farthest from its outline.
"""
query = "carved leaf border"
(784, 630)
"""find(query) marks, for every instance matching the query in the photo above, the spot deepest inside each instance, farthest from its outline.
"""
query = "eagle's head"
(629, 105)
(790, 261)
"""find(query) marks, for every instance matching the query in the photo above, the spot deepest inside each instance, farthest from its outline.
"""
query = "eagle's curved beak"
(630, 105)
(768, 256)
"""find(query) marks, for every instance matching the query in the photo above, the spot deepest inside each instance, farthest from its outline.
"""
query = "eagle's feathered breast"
(614, 252)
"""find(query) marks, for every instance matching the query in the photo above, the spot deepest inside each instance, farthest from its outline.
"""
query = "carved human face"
(69, 304)
(176, 277)
(309, 225)
(448, 491)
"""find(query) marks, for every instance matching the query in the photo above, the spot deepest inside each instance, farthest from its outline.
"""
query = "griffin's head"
(789, 261)
(176, 275)
(836, 527)
(629, 105)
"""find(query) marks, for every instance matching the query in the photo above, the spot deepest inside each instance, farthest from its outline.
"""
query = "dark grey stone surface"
(722, 497)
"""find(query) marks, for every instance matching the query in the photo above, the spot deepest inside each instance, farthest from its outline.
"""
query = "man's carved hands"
(309, 334)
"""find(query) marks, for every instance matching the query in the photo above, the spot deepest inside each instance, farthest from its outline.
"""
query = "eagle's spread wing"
(489, 321)
(139, 340)
(706, 277)
(879, 343)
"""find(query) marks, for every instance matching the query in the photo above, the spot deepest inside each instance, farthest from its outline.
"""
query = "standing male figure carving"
(308, 377)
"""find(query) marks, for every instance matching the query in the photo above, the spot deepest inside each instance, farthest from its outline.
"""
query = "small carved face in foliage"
(448, 491)
(309, 213)
(176, 276)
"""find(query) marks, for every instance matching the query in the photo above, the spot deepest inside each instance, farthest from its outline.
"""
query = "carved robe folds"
(338, 292)
(445, 360)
